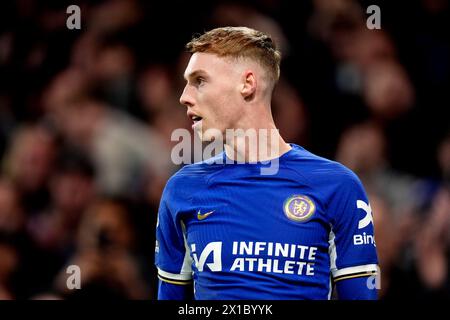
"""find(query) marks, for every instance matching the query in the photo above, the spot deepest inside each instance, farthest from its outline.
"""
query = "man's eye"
(199, 80)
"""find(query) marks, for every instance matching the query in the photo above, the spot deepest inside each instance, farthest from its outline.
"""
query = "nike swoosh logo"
(203, 216)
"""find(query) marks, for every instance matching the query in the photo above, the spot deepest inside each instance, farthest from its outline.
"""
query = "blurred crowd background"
(86, 117)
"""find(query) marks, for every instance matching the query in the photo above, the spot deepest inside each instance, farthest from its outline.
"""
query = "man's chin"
(208, 134)
(198, 134)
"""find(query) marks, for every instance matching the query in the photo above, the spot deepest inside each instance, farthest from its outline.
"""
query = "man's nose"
(186, 98)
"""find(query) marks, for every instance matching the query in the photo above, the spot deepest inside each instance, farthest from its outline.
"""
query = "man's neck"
(255, 144)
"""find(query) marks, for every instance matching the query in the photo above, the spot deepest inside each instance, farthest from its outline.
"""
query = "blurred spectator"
(238, 14)
(432, 248)
(289, 113)
(62, 91)
(110, 16)
(363, 149)
(388, 240)
(159, 98)
(330, 20)
(28, 163)
(72, 190)
(105, 254)
(120, 146)
(387, 90)
(11, 215)
(18, 256)
(113, 72)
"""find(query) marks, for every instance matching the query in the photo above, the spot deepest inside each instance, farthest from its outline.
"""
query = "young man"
(227, 231)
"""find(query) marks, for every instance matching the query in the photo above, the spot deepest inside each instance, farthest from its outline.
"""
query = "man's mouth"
(195, 118)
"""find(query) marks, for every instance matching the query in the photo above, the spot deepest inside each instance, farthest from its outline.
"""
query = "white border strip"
(356, 269)
(173, 276)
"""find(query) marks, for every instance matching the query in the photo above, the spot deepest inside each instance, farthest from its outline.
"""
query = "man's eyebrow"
(194, 74)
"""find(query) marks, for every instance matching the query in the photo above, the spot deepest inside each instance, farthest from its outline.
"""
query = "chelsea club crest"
(299, 208)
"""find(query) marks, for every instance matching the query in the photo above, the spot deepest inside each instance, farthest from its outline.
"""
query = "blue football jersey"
(238, 234)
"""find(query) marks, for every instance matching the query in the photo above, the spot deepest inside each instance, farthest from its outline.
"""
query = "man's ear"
(248, 88)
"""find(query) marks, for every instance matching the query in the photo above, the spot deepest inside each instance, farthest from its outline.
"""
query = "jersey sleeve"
(172, 256)
(356, 289)
(169, 291)
(352, 244)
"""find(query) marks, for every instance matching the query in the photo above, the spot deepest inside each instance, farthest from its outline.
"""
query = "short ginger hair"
(240, 42)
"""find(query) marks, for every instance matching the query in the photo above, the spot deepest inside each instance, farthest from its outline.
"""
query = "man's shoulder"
(195, 172)
(317, 169)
